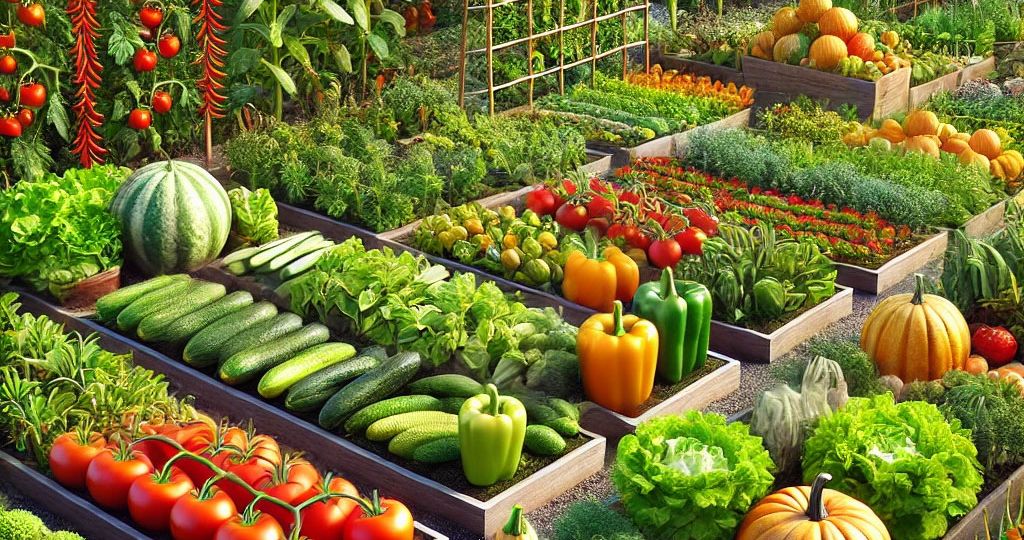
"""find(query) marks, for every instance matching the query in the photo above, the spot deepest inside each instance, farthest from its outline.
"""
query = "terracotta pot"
(83, 295)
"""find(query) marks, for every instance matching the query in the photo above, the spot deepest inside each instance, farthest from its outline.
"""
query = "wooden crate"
(878, 280)
(681, 63)
(979, 70)
(669, 145)
(923, 92)
(333, 452)
(711, 387)
(992, 509)
(886, 96)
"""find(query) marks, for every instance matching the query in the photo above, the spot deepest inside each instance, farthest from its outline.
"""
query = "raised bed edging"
(988, 222)
(681, 63)
(923, 92)
(888, 275)
(974, 71)
(669, 145)
(333, 452)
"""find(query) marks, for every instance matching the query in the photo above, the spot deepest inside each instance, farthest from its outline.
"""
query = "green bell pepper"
(682, 314)
(491, 434)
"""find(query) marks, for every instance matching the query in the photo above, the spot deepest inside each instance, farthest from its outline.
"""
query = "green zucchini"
(390, 407)
(447, 385)
(259, 334)
(202, 349)
(304, 263)
(308, 245)
(279, 379)
(250, 363)
(200, 294)
(374, 385)
(238, 262)
(268, 254)
(189, 325)
(313, 391)
(110, 305)
(153, 302)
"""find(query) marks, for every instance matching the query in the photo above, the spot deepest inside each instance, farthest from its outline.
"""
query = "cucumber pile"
(285, 258)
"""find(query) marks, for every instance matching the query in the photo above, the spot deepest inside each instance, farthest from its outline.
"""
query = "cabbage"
(691, 476)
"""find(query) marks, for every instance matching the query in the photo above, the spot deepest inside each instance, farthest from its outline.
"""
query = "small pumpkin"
(839, 22)
(954, 145)
(923, 144)
(827, 51)
(976, 365)
(791, 49)
(880, 143)
(763, 44)
(863, 45)
(946, 131)
(786, 22)
(916, 336)
(892, 131)
(986, 142)
(811, 512)
(1011, 163)
(890, 38)
(810, 11)
(1012, 367)
(970, 157)
(517, 528)
(921, 123)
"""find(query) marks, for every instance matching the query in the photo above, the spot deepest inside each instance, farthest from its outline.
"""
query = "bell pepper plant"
(682, 314)
(618, 359)
(492, 429)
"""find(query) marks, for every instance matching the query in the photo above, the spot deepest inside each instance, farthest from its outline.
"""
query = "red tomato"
(630, 197)
(10, 127)
(151, 16)
(162, 102)
(110, 476)
(387, 519)
(325, 520)
(996, 344)
(635, 237)
(260, 527)
(26, 117)
(8, 64)
(572, 217)
(169, 46)
(8, 40)
(615, 230)
(293, 481)
(69, 459)
(699, 218)
(151, 498)
(144, 60)
(31, 14)
(599, 224)
(254, 459)
(600, 207)
(692, 241)
(664, 253)
(32, 95)
(541, 201)
(197, 516)
(140, 119)
(5, 94)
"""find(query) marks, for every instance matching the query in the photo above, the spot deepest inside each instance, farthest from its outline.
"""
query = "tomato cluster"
(145, 60)
(31, 95)
(199, 482)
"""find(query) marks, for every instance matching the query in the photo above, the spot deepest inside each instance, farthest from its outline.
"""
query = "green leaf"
(134, 88)
(281, 75)
(297, 51)
(379, 46)
(123, 41)
(343, 58)
(336, 12)
(258, 28)
(277, 27)
(246, 9)
(242, 61)
(254, 214)
(182, 22)
(395, 19)
(57, 116)
(360, 14)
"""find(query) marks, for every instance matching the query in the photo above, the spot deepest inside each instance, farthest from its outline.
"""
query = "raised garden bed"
(974, 71)
(878, 99)
(990, 221)
(679, 62)
(669, 145)
(598, 163)
(923, 92)
(881, 279)
(484, 512)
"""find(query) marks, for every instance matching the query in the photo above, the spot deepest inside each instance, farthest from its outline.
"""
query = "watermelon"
(175, 217)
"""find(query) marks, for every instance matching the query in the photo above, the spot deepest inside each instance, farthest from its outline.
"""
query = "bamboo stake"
(561, 47)
(490, 56)
(462, 54)
(529, 49)
(593, 46)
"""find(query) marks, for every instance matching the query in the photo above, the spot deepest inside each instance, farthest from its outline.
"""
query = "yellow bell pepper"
(597, 282)
(618, 358)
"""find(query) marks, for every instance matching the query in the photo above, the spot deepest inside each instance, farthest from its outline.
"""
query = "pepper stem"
(620, 329)
(668, 284)
(515, 525)
(918, 298)
(492, 393)
(816, 510)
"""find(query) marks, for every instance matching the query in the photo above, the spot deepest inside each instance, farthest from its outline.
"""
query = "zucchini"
(386, 428)
(390, 407)
(313, 391)
(282, 377)
(405, 443)
(438, 451)
(543, 441)
(153, 302)
(187, 326)
(447, 385)
(198, 295)
(303, 263)
(259, 334)
(238, 262)
(268, 254)
(243, 255)
(110, 305)
(201, 350)
(374, 385)
(308, 245)
(250, 363)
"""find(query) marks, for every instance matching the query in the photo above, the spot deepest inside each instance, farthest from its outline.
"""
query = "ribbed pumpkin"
(986, 142)
(810, 11)
(839, 22)
(890, 38)
(1011, 164)
(946, 132)
(925, 144)
(970, 157)
(826, 52)
(862, 45)
(954, 145)
(891, 131)
(791, 49)
(921, 123)
(175, 217)
(806, 512)
(916, 336)
(786, 22)
(763, 45)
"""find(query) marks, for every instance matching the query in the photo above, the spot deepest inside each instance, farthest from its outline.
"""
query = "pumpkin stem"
(919, 286)
(816, 510)
(515, 525)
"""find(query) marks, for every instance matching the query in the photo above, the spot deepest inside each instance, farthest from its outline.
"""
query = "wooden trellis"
(592, 21)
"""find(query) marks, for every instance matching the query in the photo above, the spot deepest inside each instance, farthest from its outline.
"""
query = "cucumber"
(308, 245)
(390, 407)
(543, 441)
(438, 451)
(304, 263)
(153, 302)
(374, 385)
(268, 254)
(201, 350)
(282, 377)
(452, 404)
(243, 255)
(405, 443)
(386, 428)
(199, 295)
(250, 363)
(447, 385)
(259, 334)
(110, 305)
(313, 391)
(238, 262)
(187, 326)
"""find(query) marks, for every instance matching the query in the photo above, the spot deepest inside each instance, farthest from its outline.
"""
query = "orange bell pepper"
(618, 358)
(597, 282)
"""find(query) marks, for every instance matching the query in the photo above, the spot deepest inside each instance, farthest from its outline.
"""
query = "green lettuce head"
(691, 476)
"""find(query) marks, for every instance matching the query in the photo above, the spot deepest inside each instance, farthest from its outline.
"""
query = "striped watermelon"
(175, 217)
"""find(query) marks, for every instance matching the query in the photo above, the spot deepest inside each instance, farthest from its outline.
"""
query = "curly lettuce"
(692, 476)
(254, 214)
(915, 470)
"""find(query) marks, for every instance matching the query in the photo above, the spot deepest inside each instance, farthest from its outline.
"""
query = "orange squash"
(892, 131)
(806, 512)
(786, 22)
(762, 45)
(862, 45)
(826, 52)
(921, 123)
(890, 38)
(954, 145)
(839, 22)
(970, 157)
(916, 336)
(923, 144)
(810, 11)
(946, 131)
(1012, 367)
(1011, 165)
(986, 142)
(791, 49)
(976, 365)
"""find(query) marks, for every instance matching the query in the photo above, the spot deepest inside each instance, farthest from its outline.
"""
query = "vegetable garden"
(296, 270)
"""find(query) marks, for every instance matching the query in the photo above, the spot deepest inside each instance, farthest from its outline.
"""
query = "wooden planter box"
(697, 395)
(990, 221)
(878, 280)
(991, 509)
(979, 70)
(679, 62)
(598, 163)
(923, 92)
(738, 120)
(87, 518)
(333, 452)
(886, 96)
(670, 145)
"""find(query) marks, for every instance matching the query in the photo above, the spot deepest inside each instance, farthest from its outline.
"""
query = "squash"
(921, 123)
(1011, 163)
(880, 143)
(916, 336)
(763, 45)
(965, 137)
(986, 142)
(1012, 367)
(806, 512)
(839, 22)
(517, 528)
(892, 131)
(810, 11)
(1010, 377)
(946, 131)
(890, 39)
(786, 22)
(862, 45)
(791, 49)
(976, 365)
(970, 157)
(923, 144)
(826, 52)
(954, 145)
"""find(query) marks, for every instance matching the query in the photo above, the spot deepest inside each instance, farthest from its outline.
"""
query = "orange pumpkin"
(890, 38)
(862, 45)
(923, 144)
(976, 365)
(805, 512)
(786, 22)
(921, 123)
(970, 157)
(892, 131)
(839, 22)
(762, 46)
(946, 131)
(1012, 367)
(827, 51)
(810, 11)
(986, 142)
(1011, 164)
(954, 145)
